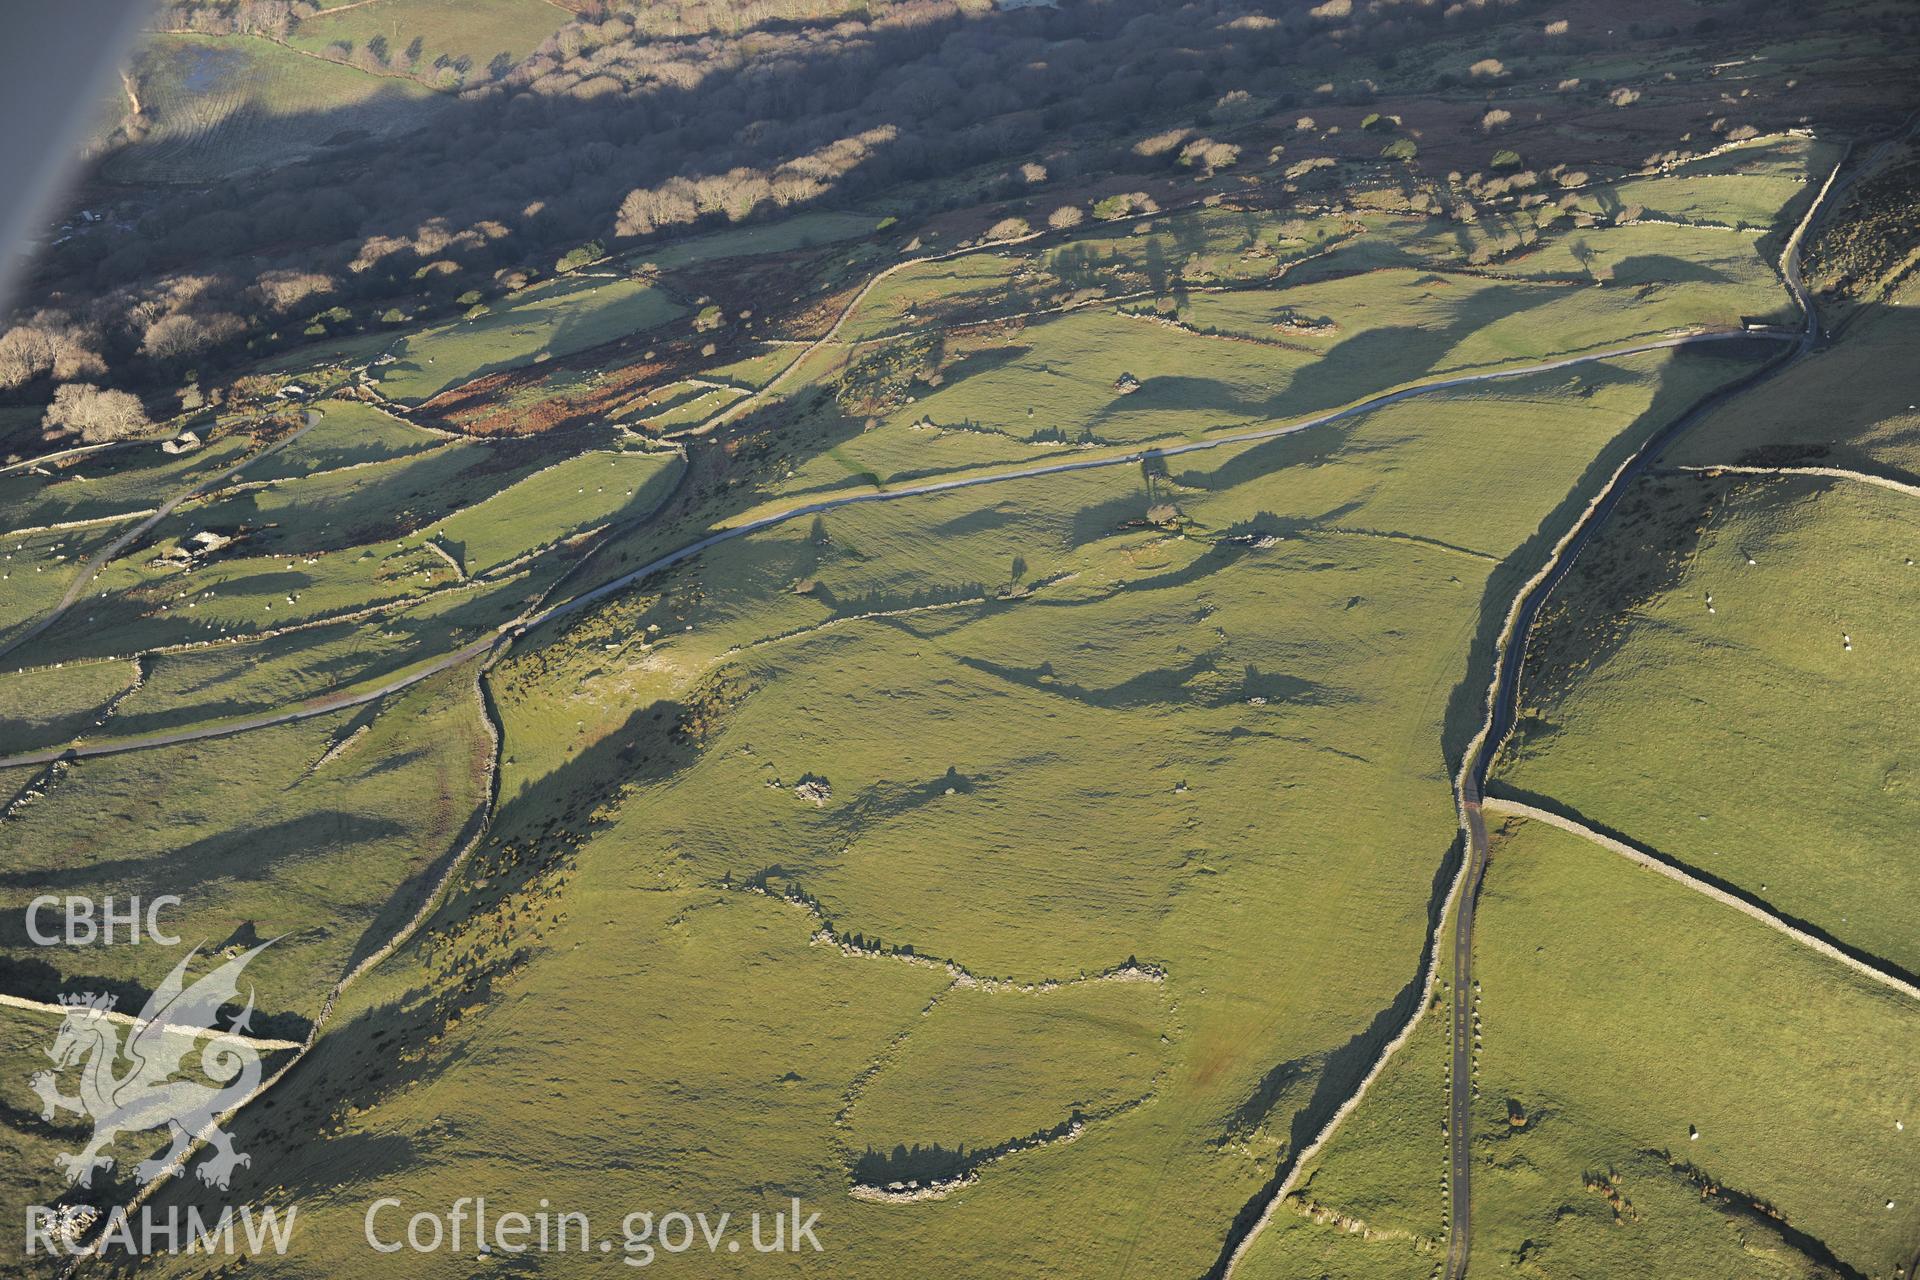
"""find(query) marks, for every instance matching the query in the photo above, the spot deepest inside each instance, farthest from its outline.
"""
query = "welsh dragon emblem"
(130, 1086)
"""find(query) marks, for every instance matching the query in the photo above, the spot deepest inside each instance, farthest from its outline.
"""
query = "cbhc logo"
(85, 923)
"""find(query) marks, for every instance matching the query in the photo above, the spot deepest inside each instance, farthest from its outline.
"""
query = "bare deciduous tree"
(80, 408)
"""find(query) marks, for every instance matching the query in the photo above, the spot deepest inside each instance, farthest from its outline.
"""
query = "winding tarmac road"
(1509, 660)
(508, 631)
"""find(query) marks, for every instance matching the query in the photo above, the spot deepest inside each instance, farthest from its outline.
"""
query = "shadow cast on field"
(245, 853)
(1340, 1072)
(1388, 356)
(1672, 410)
(38, 980)
(1160, 687)
(382, 1050)
(1660, 268)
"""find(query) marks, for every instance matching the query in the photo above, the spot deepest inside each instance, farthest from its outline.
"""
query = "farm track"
(508, 631)
(1826, 473)
(1871, 968)
(492, 647)
(397, 605)
(105, 555)
(78, 451)
(831, 338)
(133, 1020)
(224, 491)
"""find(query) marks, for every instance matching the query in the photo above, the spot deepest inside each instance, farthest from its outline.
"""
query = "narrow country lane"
(1509, 660)
(1460, 1097)
(507, 631)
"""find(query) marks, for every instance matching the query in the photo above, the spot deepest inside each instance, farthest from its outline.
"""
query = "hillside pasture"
(39, 708)
(1372, 1204)
(556, 318)
(221, 105)
(316, 833)
(1227, 721)
(1609, 995)
(1668, 688)
(36, 571)
(349, 434)
(114, 483)
(138, 603)
(560, 502)
(255, 675)
(1029, 1059)
(443, 42)
(1847, 407)
(1606, 995)
(1759, 186)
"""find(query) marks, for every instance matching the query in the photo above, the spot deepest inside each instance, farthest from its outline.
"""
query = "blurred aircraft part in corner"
(60, 59)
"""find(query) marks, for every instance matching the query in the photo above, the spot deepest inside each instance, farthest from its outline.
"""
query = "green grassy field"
(137, 603)
(1372, 1204)
(553, 319)
(985, 1067)
(1836, 410)
(1668, 695)
(225, 104)
(52, 705)
(349, 434)
(35, 572)
(1311, 342)
(753, 371)
(1618, 1011)
(1191, 248)
(1802, 1119)
(400, 523)
(28, 1144)
(319, 833)
(307, 546)
(473, 32)
(680, 405)
(1073, 840)
(116, 482)
(1225, 743)
(1747, 186)
(251, 676)
(560, 502)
